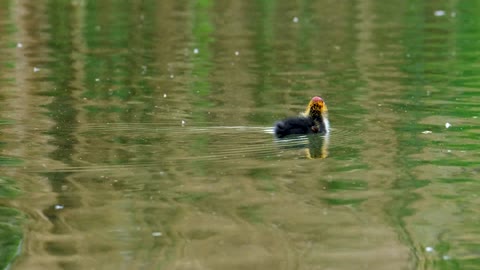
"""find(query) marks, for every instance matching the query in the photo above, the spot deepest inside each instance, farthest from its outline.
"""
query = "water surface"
(138, 135)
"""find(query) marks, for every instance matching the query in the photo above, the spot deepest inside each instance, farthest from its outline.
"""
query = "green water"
(137, 135)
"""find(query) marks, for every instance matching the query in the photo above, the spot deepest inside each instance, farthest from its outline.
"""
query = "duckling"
(313, 120)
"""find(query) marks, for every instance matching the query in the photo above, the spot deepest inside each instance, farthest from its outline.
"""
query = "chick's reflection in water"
(316, 146)
(313, 123)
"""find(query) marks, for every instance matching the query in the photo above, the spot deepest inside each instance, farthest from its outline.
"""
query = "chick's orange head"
(316, 105)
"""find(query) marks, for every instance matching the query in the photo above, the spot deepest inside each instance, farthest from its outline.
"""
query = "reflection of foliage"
(354, 202)
(8, 161)
(10, 235)
(10, 222)
(347, 184)
(10, 219)
(193, 197)
(252, 213)
(7, 188)
(263, 179)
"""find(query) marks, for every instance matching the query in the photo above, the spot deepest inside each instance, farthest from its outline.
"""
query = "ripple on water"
(175, 143)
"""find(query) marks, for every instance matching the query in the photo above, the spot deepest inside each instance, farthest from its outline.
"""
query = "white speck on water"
(58, 207)
(447, 125)
(97, 79)
(195, 51)
(427, 132)
(429, 249)
(439, 13)
(237, 53)
(172, 76)
(35, 69)
(19, 45)
(183, 123)
(449, 151)
(164, 95)
(337, 47)
(156, 234)
(446, 257)
(295, 19)
(475, 117)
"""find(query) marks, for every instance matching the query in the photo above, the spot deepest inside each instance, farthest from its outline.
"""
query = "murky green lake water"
(138, 135)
